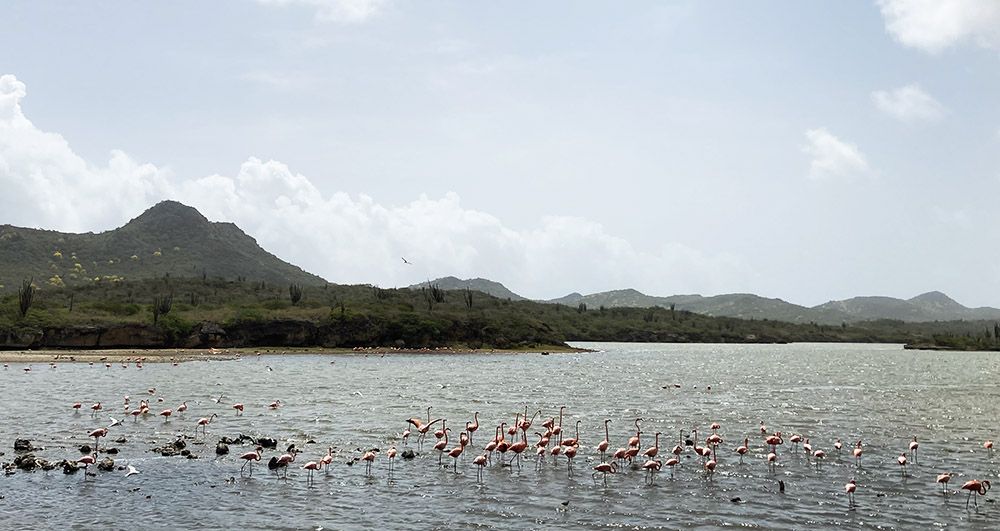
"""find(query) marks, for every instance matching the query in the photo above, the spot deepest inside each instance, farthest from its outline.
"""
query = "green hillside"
(169, 239)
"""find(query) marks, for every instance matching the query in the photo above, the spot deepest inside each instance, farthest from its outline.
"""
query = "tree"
(294, 293)
(467, 296)
(162, 306)
(25, 296)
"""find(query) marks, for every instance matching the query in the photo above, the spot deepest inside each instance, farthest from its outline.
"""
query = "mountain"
(483, 285)
(168, 239)
(932, 306)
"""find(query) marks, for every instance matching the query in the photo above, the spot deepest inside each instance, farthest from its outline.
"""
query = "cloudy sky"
(803, 150)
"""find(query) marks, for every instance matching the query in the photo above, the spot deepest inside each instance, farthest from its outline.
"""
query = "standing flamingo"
(239, 409)
(651, 452)
(902, 463)
(471, 427)
(913, 448)
(166, 414)
(204, 422)
(97, 434)
(95, 408)
(976, 487)
(369, 458)
(249, 458)
(311, 467)
(480, 462)
(605, 469)
(573, 441)
(989, 448)
(327, 460)
(558, 428)
(455, 452)
(86, 461)
(518, 448)
(850, 487)
(603, 446)
(943, 479)
(183, 407)
(634, 440)
(441, 445)
(743, 449)
(857, 453)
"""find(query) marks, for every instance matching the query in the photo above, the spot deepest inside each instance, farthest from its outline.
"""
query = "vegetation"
(257, 312)
(25, 296)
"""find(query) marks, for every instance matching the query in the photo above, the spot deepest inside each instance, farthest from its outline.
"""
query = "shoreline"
(178, 355)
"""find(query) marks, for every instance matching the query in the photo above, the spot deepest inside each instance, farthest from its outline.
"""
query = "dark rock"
(22, 445)
(25, 462)
(267, 442)
(185, 453)
(85, 449)
(191, 456)
(106, 465)
(69, 467)
(408, 454)
(121, 440)
(221, 449)
(179, 444)
(112, 451)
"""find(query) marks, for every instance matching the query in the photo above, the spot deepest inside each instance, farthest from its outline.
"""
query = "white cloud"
(909, 104)
(933, 25)
(347, 239)
(336, 10)
(833, 157)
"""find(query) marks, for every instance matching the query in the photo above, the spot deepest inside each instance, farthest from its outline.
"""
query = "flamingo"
(573, 441)
(558, 428)
(795, 439)
(492, 445)
(943, 479)
(183, 407)
(672, 462)
(311, 467)
(406, 436)
(977, 487)
(902, 463)
(86, 461)
(391, 454)
(95, 408)
(424, 428)
(742, 450)
(204, 422)
(772, 459)
(711, 464)
(249, 458)
(480, 461)
(239, 408)
(455, 452)
(913, 448)
(819, 455)
(327, 459)
(77, 406)
(281, 462)
(634, 441)
(838, 444)
(808, 448)
(166, 414)
(570, 453)
(525, 422)
(774, 440)
(651, 452)
(97, 434)
(605, 469)
(989, 448)
(369, 458)
(857, 453)
(275, 405)
(471, 427)
(850, 488)
(440, 433)
(603, 446)
(519, 447)
(442, 444)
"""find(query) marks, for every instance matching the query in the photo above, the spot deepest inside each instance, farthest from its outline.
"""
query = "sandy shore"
(182, 355)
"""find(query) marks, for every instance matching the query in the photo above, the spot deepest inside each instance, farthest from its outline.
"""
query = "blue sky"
(803, 150)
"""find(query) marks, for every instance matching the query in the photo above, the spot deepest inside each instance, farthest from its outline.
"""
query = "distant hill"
(483, 285)
(168, 239)
(932, 306)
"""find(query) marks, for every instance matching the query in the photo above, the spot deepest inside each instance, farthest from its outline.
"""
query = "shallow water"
(878, 393)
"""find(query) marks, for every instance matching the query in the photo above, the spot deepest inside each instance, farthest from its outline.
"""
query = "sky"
(809, 151)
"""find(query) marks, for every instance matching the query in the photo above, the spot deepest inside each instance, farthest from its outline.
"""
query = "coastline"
(179, 355)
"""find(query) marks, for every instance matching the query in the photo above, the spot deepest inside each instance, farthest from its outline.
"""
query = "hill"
(169, 239)
(483, 285)
(931, 306)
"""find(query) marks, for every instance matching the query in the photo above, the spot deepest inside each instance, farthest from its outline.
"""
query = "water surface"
(878, 393)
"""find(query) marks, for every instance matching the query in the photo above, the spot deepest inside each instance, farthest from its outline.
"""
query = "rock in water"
(408, 454)
(179, 444)
(85, 449)
(267, 442)
(106, 465)
(221, 449)
(26, 462)
(22, 445)
(70, 467)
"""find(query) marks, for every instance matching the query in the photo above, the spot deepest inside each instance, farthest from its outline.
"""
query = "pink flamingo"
(913, 448)
(248, 459)
(204, 422)
(743, 449)
(651, 467)
(86, 461)
(943, 479)
(369, 458)
(97, 434)
(857, 453)
(480, 462)
(327, 459)
(391, 454)
(605, 469)
(573, 441)
(441, 445)
(166, 414)
(672, 462)
(977, 487)
(902, 463)
(183, 407)
(239, 408)
(455, 452)
(634, 440)
(471, 427)
(95, 408)
(558, 428)
(310, 468)
(603, 445)
(850, 488)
